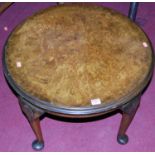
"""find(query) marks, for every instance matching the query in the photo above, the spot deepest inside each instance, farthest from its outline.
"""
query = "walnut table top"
(72, 54)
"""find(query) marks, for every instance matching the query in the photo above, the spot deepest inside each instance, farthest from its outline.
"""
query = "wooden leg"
(32, 113)
(129, 111)
(133, 10)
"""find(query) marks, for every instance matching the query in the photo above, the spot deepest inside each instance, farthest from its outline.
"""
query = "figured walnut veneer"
(71, 54)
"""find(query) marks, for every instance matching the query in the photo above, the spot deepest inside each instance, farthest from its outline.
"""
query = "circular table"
(78, 61)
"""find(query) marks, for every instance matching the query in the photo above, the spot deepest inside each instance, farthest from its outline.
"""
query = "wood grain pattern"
(71, 54)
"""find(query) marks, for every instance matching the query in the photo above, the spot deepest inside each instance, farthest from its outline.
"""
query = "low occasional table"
(78, 61)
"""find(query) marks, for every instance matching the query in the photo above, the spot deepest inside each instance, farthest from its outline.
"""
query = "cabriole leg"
(129, 111)
(32, 113)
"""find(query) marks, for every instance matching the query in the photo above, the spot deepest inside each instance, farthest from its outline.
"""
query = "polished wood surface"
(62, 57)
